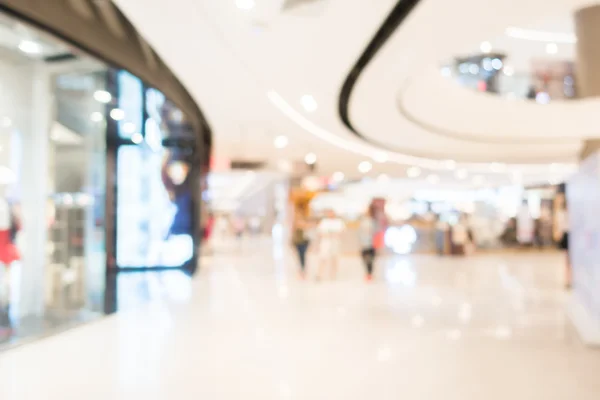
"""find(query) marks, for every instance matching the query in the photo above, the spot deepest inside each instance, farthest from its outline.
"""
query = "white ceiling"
(248, 69)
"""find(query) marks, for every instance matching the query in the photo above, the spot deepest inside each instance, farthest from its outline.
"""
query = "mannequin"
(8, 255)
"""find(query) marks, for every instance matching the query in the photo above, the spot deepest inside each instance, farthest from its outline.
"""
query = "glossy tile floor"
(485, 327)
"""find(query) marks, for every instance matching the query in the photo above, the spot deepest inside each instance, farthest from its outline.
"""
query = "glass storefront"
(96, 174)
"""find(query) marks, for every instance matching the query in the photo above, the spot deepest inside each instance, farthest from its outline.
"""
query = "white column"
(35, 192)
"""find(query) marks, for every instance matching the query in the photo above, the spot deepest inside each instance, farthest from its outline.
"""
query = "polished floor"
(484, 327)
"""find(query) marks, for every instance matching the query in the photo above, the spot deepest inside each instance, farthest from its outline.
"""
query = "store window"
(52, 183)
(154, 202)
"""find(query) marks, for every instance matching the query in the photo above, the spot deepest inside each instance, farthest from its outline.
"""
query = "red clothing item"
(8, 251)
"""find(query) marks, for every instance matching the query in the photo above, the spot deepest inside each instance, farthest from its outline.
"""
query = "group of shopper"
(326, 236)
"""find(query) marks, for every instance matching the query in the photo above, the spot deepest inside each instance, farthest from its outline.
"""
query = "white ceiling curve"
(437, 114)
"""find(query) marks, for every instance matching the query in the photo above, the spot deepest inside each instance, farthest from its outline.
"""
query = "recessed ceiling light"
(117, 114)
(245, 4)
(474, 69)
(96, 116)
(102, 96)
(450, 164)
(338, 176)
(310, 158)
(281, 142)
(485, 47)
(137, 138)
(365, 167)
(128, 127)
(551, 48)
(309, 103)
(380, 157)
(508, 70)
(6, 122)
(446, 71)
(413, 172)
(30, 47)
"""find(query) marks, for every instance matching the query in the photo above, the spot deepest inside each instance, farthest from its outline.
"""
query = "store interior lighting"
(281, 142)
(365, 167)
(30, 47)
(117, 114)
(310, 158)
(137, 138)
(102, 96)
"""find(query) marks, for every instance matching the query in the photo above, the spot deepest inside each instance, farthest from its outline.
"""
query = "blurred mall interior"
(299, 199)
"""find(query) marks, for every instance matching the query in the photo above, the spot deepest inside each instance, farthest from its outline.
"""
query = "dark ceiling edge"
(394, 19)
(468, 137)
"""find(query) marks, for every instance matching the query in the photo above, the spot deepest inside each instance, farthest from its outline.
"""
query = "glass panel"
(52, 183)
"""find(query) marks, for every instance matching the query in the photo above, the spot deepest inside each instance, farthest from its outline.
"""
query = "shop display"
(154, 207)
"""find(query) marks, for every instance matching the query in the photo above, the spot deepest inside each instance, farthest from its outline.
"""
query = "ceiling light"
(6, 122)
(461, 174)
(310, 158)
(245, 4)
(413, 172)
(474, 69)
(281, 142)
(497, 64)
(338, 176)
(117, 114)
(380, 157)
(365, 167)
(541, 36)
(450, 164)
(137, 138)
(463, 68)
(102, 96)
(30, 47)
(551, 48)
(309, 103)
(485, 47)
(96, 116)
(446, 71)
(128, 127)
(433, 179)
(508, 70)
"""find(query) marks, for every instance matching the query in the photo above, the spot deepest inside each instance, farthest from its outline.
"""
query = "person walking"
(366, 232)
(301, 241)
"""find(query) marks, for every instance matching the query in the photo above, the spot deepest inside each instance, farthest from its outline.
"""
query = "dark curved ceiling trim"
(395, 18)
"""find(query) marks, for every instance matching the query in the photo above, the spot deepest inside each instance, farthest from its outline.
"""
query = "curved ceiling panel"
(441, 106)
(437, 120)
